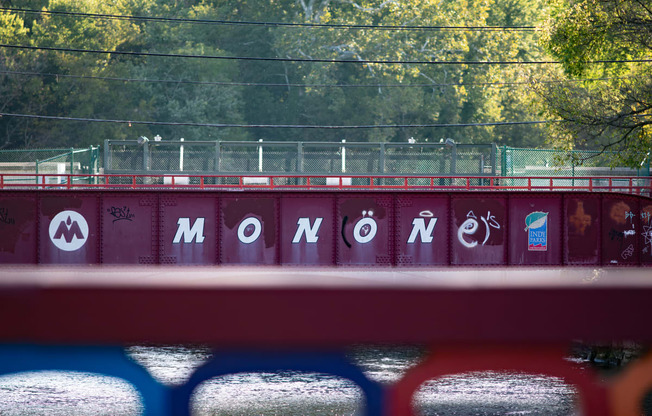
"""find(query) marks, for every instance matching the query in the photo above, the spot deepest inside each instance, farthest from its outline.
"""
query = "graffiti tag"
(470, 226)
(629, 252)
(119, 213)
(645, 216)
(4, 217)
(629, 215)
(616, 235)
(647, 235)
(580, 219)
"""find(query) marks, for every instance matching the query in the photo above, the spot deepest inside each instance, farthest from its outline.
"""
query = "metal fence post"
(453, 146)
(92, 164)
(442, 164)
(145, 155)
(107, 156)
(381, 162)
(87, 171)
(90, 161)
(217, 164)
(300, 157)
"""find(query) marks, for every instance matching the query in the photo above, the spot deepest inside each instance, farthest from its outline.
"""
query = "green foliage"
(614, 113)
(435, 94)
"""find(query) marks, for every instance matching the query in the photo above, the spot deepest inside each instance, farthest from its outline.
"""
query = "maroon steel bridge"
(475, 268)
(465, 222)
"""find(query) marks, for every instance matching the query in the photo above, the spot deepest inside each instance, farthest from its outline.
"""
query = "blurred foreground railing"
(631, 185)
(266, 319)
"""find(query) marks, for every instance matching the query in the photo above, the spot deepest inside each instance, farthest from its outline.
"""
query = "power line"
(297, 85)
(276, 59)
(272, 24)
(274, 126)
(311, 60)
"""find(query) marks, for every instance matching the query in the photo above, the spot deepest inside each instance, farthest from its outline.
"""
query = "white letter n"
(419, 228)
(305, 228)
(184, 230)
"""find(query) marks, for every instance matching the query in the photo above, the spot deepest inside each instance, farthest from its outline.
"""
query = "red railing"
(632, 185)
(503, 321)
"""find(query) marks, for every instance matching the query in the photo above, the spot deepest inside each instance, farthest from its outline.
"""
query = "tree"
(613, 113)
(449, 94)
(268, 92)
(16, 93)
(108, 85)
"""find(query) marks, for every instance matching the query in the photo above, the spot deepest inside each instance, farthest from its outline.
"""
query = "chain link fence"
(25, 163)
(342, 158)
(316, 158)
(572, 165)
(549, 162)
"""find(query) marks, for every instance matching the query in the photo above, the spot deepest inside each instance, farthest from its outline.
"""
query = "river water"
(283, 393)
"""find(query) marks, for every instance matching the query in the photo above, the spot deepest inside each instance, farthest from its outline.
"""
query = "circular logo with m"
(68, 230)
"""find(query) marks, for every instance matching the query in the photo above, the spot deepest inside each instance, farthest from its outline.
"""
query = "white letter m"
(184, 230)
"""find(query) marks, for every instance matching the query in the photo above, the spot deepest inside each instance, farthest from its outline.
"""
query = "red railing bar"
(605, 184)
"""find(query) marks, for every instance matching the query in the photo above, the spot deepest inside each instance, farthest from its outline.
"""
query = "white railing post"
(181, 155)
(343, 157)
(260, 156)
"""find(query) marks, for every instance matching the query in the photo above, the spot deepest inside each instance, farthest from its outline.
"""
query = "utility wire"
(271, 24)
(342, 61)
(269, 126)
(296, 85)
(276, 59)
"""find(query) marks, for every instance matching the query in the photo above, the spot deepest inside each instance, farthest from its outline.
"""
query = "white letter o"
(254, 235)
(373, 227)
